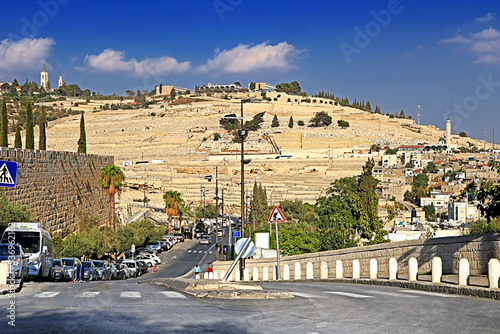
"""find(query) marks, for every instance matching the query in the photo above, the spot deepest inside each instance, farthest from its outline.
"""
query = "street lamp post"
(145, 186)
(217, 214)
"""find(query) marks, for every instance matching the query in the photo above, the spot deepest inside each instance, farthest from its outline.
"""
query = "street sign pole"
(278, 272)
(275, 218)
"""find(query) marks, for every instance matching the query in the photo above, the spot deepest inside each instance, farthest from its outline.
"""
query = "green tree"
(485, 227)
(13, 213)
(391, 151)
(111, 180)
(300, 123)
(420, 181)
(409, 165)
(275, 123)
(402, 114)
(30, 137)
(18, 141)
(42, 140)
(82, 141)
(488, 195)
(172, 94)
(252, 85)
(259, 212)
(172, 200)
(295, 240)
(430, 212)
(290, 122)
(321, 119)
(430, 168)
(462, 134)
(4, 122)
(343, 124)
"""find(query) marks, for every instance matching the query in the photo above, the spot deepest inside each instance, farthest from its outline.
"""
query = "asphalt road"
(129, 307)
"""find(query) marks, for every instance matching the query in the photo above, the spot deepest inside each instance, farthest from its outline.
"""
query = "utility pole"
(217, 214)
(418, 114)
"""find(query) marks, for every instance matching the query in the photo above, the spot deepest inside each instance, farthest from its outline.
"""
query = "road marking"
(47, 294)
(189, 251)
(173, 294)
(348, 294)
(89, 294)
(130, 294)
(305, 295)
(391, 294)
(428, 293)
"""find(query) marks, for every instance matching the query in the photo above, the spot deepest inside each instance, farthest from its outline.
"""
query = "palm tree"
(173, 201)
(112, 178)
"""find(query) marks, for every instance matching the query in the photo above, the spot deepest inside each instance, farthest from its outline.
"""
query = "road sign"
(236, 234)
(239, 246)
(8, 173)
(276, 216)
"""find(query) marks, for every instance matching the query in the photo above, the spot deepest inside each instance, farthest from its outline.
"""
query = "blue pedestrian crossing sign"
(8, 173)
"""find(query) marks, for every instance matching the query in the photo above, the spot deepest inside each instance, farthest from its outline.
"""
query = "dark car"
(120, 270)
(73, 268)
(103, 269)
(142, 267)
(89, 271)
(58, 270)
(14, 256)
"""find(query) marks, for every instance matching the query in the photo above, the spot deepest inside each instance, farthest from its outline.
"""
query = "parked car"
(199, 232)
(146, 251)
(58, 272)
(73, 268)
(150, 262)
(150, 256)
(114, 272)
(156, 246)
(205, 239)
(120, 270)
(89, 271)
(143, 267)
(18, 262)
(132, 267)
(103, 269)
(179, 236)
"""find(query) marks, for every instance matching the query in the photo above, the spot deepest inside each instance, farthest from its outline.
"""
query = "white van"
(36, 243)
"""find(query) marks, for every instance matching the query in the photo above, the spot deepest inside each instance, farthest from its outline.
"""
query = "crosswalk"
(372, 294)
(122, 294)
(199, 252)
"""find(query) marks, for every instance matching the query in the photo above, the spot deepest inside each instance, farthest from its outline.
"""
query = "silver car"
(17, 264)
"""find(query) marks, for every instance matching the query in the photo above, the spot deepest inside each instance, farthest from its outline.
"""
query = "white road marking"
(47, 294)
(428, 293)
(348, 294)
(189, 251)
(130, 294)
(88, 294)
(391, 294)
(305, 295)
(173, 294)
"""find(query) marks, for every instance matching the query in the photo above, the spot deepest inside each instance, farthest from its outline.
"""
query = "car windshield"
(130, 264)
(57, 263)
(98, 263)
(29, 241)
(9, 249)
(86, 265)
(68, 262)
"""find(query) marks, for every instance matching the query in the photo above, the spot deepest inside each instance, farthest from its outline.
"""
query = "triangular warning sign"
(276, 216)
(5, 176)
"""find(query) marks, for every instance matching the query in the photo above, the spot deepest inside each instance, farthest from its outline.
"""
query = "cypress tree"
(290, 122)
(4, 123)
(275, 123)
(42, 144)
(82, 142)
(30, 136)
(18, 142)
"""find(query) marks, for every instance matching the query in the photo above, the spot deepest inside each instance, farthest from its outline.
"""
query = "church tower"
(448, 132)
(61, 82)
(44, 78)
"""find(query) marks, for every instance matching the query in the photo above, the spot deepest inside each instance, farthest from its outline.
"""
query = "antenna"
(418, 114)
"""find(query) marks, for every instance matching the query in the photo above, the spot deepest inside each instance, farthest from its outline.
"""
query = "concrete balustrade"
(493, 273)
(412, 269)
(355, 269)
(339, 269)
(215, 275)
(286, 272)
(255, 274)
(206, 276)
(393, 269)
(265, 274)
(275, 274)
(296, 272)
(309, 270)
(246, 275)
(323, 270)
(463, 272)
(373, 269)
(437, 269)
(237, 275)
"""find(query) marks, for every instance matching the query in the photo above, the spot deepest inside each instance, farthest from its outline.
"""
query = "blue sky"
(443, 56)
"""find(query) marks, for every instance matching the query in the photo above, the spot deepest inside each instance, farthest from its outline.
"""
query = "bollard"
(222, 273)
(215, 275)
(412, 269)
(274, 273)
(205, 275)
(197, 276)
(4, 272)
(286, 272)
(437, 269)
(265, 274)
(309, 270)
(246, 275)
(463, 272)
(255, 274)
(373, 269)
(493, 273)
(393, 268)
(296, 271)
(237, 275)
(324, 270)
(355, 269)
(339, 270)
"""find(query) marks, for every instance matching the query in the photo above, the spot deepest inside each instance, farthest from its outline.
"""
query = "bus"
(36, 243)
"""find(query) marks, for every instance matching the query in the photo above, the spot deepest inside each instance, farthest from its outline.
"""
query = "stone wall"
(477, 249)
(58, 186)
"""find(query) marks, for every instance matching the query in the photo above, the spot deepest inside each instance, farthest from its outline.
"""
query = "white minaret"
(448, 131)
(60, 83)
(44, 78)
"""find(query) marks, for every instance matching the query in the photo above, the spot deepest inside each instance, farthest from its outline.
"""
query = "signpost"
(236, 234)
(8, 174)
(277, 217)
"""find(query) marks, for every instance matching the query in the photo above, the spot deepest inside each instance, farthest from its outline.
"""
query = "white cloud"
(483, 19)
(246, 58)
(24, 54)
(486, 44)
(113, 61)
